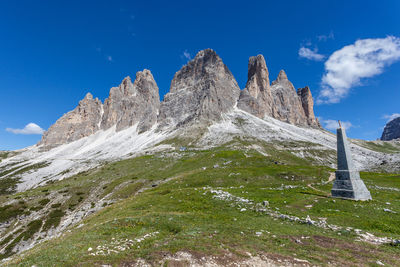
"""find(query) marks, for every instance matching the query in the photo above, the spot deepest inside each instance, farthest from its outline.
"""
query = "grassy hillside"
(380, 146)
(221, 201)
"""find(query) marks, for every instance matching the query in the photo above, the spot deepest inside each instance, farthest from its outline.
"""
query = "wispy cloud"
(186, 55)
(307, 53)
(326, 37)
(99, 50)
(391, 117)
(346, 67)
(30, 128)
(333, 124)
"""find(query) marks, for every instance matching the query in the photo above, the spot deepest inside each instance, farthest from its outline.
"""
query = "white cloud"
(333, 124)
(307, 53)
(186, 55)
(325, 37)
(347, 66)
(30, 128)
(391, 117)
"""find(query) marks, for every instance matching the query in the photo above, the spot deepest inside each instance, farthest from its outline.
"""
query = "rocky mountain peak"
(201, 90)
(257, 76)
(282, 76)
(308, 105)
(88, 96)
(132, 103)
(256, 98)
(282, 81)
(391, 130)
(127, 105)
(278, 100)
(83, 121)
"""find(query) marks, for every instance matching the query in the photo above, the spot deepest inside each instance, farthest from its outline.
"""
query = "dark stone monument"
(348, 183)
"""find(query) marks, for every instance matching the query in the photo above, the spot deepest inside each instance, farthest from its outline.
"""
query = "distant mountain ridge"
(391, 130)
(200, 92)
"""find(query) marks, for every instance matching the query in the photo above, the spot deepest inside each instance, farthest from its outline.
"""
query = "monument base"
(348, 185)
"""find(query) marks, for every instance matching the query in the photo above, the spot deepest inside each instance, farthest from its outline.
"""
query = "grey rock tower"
(347, 183)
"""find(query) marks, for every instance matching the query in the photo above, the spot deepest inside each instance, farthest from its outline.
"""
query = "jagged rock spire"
(308, 106)
(348, 183)
(202, 90)
(128, 104)
(256, 98)
(132, 103)
(257, 76)
(278, 100)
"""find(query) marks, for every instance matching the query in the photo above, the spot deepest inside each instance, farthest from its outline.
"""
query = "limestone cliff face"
(256, 98)
(200, 91)
(391, 130)
(132, 103)
(83, 121)
(278, 100)
(128, 104)
(307, 102)
(287, 104)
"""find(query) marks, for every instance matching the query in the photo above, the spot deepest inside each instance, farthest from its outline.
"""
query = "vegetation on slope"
(168, 202)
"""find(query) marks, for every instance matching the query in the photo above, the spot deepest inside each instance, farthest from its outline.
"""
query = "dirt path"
(330, 179)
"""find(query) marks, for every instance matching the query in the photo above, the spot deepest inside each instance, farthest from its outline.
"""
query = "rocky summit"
(202, 90)
(127, 105)
(200, 93)
(132, 103)
(83, 121)
(391, 130)
(278, 100)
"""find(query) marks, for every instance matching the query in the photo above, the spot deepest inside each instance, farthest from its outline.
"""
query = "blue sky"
(53, 52)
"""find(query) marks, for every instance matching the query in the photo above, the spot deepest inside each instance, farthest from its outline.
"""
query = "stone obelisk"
(347, 184)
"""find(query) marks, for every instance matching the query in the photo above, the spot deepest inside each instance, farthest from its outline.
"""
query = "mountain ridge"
(200, 92)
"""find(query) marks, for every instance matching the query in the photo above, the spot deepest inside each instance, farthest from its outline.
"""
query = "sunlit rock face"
(132, 103)
(128, 104)
(83, 121)
(278, 100)
(201, 91)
